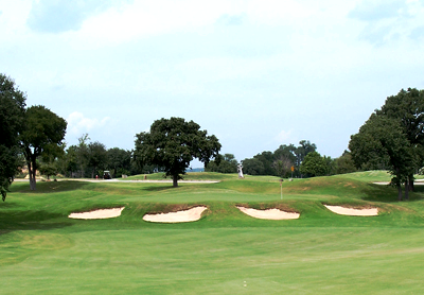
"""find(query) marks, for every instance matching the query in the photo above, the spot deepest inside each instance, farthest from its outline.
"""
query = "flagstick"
(281, 186)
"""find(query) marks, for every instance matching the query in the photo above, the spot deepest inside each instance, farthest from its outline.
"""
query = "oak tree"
(383, 137)
(42, 133)
(172, 144)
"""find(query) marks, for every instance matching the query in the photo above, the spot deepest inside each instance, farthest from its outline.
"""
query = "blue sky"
(256, 74)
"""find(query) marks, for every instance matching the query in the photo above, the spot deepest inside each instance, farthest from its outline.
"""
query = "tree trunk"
(406, 190)
(32, 172)
(399, 192)
(411, 184)
(175, 180)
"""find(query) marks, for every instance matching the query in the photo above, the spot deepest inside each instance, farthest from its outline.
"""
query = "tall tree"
(382, 137)
(283, 166)
(43, 133)
(314, 165)
(267, 159)
(172, 144)
(253, 167)
(97, 157)
(12, 109)
(71, 160)
(303, 150)
(83, 154)
(407, 107)
(119, 161)
(345, 164)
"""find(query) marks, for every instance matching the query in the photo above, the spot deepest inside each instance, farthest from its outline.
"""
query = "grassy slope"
(42, 251)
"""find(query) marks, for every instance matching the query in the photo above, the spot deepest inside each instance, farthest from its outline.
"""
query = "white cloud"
(277, 11)
(283, 136)
(78, 124)
(146, 18)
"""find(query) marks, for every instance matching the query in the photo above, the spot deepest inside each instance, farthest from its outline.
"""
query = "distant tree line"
(90, 159)
(226, 163)
(286, 161)
(297, 161)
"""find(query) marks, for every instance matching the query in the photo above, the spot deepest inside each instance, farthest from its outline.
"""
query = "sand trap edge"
(351, 211)
(269, 214)
(98, 214)
(189, 215)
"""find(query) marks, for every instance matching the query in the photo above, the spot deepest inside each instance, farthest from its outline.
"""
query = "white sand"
(98, 214)
(352, 212)
(190, 215)
(272, 214)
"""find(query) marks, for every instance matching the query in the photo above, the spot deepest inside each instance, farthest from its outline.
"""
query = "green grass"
(187, 176)
(226, 252)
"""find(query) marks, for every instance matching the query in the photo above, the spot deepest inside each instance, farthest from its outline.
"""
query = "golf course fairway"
(42, 251)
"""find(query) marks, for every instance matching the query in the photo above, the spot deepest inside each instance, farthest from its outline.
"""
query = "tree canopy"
(172, 144)
(12, 108)
(394, 135)
(314, 165)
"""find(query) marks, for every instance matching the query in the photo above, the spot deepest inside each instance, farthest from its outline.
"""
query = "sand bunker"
(98, 214)
(271, 214)
(352, 212)
(190, 215)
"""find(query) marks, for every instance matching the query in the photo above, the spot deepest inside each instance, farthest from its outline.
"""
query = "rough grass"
(226, 252)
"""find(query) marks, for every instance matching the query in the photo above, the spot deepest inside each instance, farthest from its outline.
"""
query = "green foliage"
(394, 135)
(303, 150)
(227, 164)
(48, 169)
(280, 162)
(407, 107)
(172, 144)
(97, 157)
(119, 161)
(314, 165)
(283, 166)
(345, 164)
(71, 160)
(12, 107)
(383, 137)
(253, 167)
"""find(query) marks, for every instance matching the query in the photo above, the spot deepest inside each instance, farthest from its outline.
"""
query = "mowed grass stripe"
(220, 260)
(226, 252)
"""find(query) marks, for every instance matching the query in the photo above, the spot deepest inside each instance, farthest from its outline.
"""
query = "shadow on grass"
(8, 205)
(30, 220)
(49, 187)
(26, 217)
(389, 194)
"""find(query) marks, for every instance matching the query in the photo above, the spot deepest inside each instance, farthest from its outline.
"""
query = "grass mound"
(225, 252)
